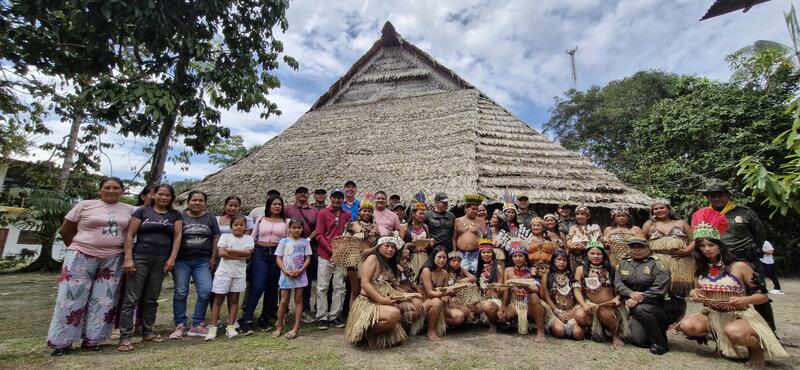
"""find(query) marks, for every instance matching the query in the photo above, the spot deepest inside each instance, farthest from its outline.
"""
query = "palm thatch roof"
(401, 122)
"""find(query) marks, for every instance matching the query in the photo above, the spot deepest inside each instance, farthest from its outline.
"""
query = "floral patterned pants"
(87, 292)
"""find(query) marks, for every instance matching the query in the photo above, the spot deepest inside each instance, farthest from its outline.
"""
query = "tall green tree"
(597, 122)
(163, 69)
(228, 151)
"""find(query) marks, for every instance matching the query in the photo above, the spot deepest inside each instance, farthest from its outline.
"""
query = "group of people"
(419, 268)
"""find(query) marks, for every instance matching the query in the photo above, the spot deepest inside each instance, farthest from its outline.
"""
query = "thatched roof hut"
(401, 122)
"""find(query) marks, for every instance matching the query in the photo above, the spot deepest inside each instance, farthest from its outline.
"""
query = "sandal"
(291, 335)
(125, 347)
(276, 333)
(153, 338)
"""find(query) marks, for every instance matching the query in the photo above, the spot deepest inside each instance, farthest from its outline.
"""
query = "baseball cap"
(399, 205)
(441, 197)
(335, 191)
(350, 182)
(320, 191)
(301, 190)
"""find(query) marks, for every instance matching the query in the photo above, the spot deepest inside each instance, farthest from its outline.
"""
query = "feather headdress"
(509, 201)
(419, 203)
(709, 223)
(473, 199)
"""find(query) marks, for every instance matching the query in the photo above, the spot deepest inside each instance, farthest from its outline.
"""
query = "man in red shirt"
(330, 224)
(307, 214)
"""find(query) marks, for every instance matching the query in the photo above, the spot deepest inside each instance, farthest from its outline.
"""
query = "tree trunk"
(3, 171)
(45, 261)
(161, 150)
(69, 153)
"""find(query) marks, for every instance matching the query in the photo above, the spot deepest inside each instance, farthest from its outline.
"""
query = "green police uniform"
(746, 233)
(651, 317)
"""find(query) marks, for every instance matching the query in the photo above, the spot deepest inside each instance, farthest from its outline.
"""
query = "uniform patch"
(646, 270)
(624, 272)
(738, 219)
(661, 265)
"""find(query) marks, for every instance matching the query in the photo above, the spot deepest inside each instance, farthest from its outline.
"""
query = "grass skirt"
(599, 332)
(523, 326)
(716, 327)
(682, 270)
(407, 311)
(550, 318)
(363, 316)
(418, 261)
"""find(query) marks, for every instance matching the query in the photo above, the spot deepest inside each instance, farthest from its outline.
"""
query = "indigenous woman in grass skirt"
(579, 235)
(373, 315)
(565, 317)
(669, 240)
(413, 318)
(417, 230)
(729, 288)
(490, 271)
(541, 246)
(596, 296)
(457, 314)
(524, 304)
(364, 228)
(616, 236)
(432, 276)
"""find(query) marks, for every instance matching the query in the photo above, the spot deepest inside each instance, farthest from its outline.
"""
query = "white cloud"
(512, 50)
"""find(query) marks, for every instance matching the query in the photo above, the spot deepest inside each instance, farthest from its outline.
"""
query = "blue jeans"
(264, 275)
(197, 270)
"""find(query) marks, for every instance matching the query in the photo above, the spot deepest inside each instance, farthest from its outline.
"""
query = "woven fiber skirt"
(363, 316)
(716, 327)
(599, 332)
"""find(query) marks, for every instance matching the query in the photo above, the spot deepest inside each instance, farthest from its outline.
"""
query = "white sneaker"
(212, 333)
(231, 331)
(776, 292)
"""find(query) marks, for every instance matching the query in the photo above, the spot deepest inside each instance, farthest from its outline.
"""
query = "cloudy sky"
(514, 51)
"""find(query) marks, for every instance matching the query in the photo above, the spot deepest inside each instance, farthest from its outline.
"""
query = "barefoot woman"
(596, 276)
(730, 288)
(525, 300)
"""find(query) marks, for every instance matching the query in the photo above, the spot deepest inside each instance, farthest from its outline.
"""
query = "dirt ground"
(26, 302)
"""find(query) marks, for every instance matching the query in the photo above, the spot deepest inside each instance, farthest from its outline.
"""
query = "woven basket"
(467, 295)
(421, 243)
(346, 251)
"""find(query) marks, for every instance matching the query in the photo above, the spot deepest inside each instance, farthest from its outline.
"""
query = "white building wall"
(13, 248)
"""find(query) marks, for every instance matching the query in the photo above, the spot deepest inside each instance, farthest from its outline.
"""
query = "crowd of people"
(417, 268)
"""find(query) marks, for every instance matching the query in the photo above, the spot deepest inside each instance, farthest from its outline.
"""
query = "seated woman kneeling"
(373, 315)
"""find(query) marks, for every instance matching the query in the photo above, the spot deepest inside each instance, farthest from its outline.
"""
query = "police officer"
(643, 281)
(745, 235)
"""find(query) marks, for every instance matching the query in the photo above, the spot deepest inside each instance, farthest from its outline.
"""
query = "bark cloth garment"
(722, 285)
(617, 245)
(598, 278)
(409, 308)
(364, 315)
(540, 250)
(563, 297)
(682, 268)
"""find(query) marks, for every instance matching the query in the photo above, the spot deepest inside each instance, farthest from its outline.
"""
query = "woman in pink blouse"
(264, 272)
(94, 231)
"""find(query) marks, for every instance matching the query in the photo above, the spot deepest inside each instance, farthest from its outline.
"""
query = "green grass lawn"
(26, 302)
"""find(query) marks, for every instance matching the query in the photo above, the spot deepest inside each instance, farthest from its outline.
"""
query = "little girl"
(292, 256)
(229, 279)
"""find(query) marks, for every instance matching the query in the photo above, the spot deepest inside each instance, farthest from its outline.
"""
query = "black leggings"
(771, 271)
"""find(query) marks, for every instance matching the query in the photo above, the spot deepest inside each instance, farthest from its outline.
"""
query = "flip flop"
(291, 335)
(153, 338)
(125, 347)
